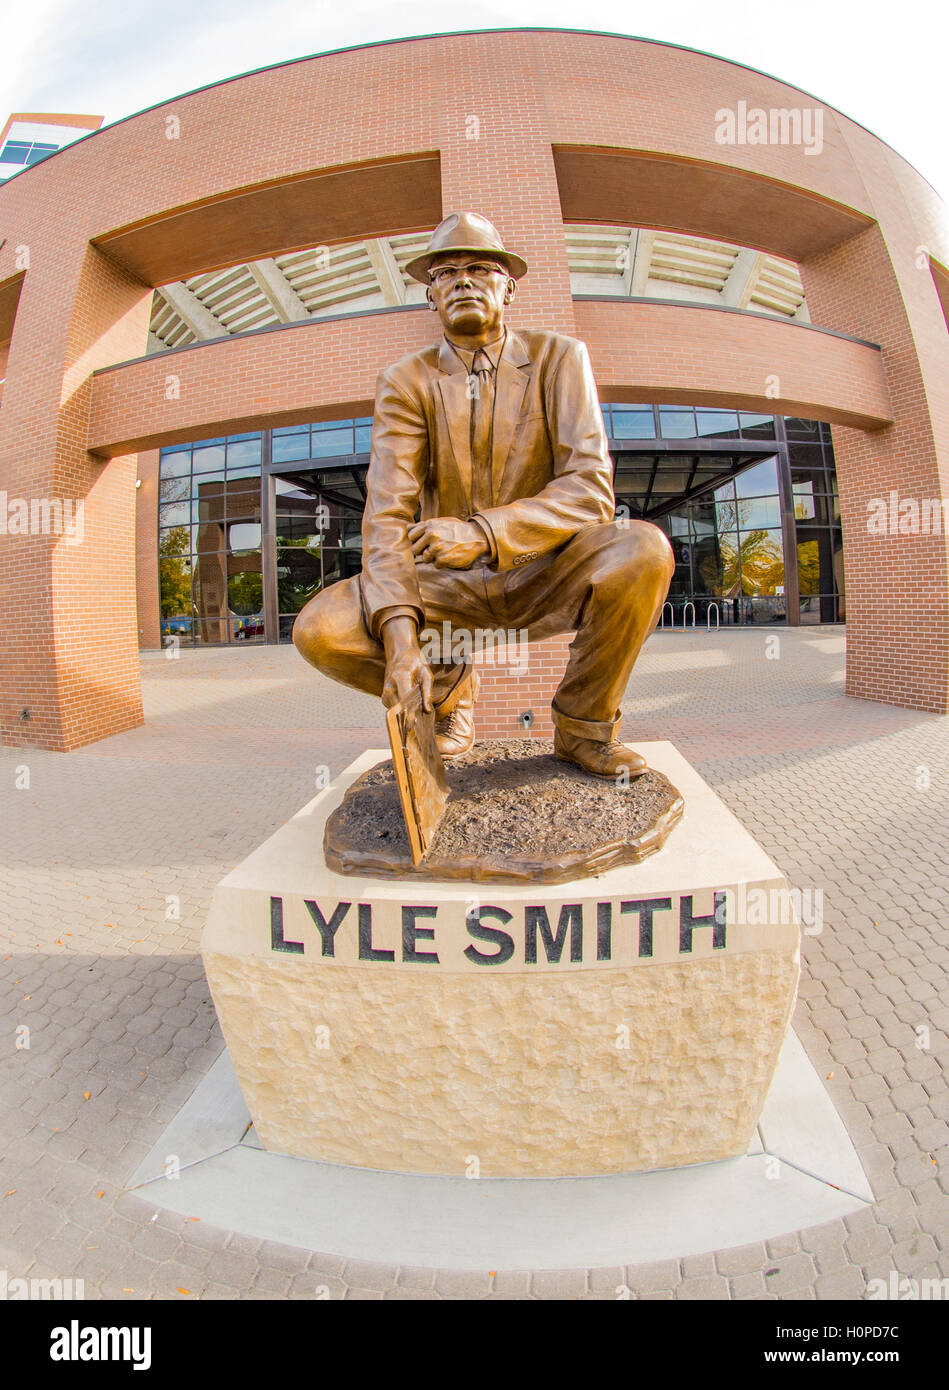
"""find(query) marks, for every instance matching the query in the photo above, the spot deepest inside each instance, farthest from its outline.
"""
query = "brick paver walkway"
(101, 848)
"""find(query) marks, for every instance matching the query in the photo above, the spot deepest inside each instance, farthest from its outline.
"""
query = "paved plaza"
(110, 856)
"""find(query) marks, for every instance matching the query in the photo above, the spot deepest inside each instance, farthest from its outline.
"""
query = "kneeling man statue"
(490, 505)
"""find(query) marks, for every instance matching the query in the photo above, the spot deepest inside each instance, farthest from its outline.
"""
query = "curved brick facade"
(374, 141)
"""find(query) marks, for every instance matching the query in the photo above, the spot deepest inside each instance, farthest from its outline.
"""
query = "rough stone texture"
(421, 1073)
(515, 813)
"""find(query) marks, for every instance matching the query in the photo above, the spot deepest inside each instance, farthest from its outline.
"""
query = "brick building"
(194, 304)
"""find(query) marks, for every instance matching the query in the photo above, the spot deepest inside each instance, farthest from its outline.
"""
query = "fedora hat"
(465, 231)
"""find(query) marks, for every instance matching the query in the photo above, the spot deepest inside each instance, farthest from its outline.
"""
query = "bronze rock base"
(515, 814)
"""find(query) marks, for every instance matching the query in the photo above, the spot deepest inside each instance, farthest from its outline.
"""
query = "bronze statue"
(495, 440)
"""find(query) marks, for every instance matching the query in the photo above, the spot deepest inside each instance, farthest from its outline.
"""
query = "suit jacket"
(551, 472)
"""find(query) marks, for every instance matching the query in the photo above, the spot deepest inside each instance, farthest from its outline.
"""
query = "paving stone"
(847, 1283)
(781, 1246)
(747, 1285)
(562, 1284)
(910, 1256)
(741, 1259)
(514, 1283)
(369, 1276)
(606, 1279)
(316, 1286)
(648, 1278)
(791, 1273)
(704, 1288)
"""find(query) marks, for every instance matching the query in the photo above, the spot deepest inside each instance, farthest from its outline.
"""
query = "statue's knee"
(645, 551)
(311, 633)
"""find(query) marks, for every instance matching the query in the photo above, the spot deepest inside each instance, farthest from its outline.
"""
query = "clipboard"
(419, 771)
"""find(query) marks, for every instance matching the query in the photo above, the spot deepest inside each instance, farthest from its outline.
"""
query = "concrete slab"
(513, 1223)
(214, 1118)
(800, 1125)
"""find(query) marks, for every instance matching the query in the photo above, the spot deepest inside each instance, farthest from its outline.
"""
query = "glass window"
(771, 609)
(176, 463)
(327, 442)
(801, 429)
(726, 513)
(808, 567)
(174, 514)
(15, 152)
(676, 422)
(806, 455)
(758, 481)
(755, 512)
(633, 424)
(757, 426)
(245, 594)
(702, 518)
(762, 562)
(299, 577)
(243, 504)
(209, 537)
(174, 489)
(716, 422)
(363, 438)
(209, 458)
(243, 536)
(174, 585)
(243, 454)
(805, 505)
(210, 503)
(287, 447)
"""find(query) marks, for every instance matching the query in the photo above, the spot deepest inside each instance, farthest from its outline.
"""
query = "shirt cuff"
(482, 525)
(397, 611)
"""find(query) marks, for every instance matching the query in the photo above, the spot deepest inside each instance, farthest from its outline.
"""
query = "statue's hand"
(448, 543)
(406, 668)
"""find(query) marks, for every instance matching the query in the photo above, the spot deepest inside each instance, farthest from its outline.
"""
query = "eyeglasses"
(479, 270)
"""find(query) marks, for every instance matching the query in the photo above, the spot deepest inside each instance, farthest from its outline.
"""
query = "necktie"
(481, 385)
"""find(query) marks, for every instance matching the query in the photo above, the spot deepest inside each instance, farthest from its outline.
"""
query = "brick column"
(68, 657)
(897, 584)
(146, 550)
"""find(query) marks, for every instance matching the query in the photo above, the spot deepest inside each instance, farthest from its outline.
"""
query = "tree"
(174, 572)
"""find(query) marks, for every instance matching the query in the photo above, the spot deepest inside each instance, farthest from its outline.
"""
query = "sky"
(882, 64)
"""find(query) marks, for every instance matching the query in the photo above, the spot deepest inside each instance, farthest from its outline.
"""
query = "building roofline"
(465, 33)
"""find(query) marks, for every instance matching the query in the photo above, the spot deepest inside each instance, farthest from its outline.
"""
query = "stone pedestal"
(623, 1022)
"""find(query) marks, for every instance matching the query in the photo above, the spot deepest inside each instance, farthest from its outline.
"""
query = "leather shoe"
(602, 759)
(454, 717)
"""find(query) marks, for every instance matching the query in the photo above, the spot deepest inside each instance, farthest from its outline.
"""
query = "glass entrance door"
(318, 535)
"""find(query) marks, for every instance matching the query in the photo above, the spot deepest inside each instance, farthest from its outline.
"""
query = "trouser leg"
(331, 631)
(609, 584)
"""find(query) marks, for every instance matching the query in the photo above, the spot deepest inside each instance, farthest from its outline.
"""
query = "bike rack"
(672, 612)
(708, 617)
(685, 611)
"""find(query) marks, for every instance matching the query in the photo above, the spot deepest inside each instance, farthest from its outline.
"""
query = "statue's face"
(469, 292)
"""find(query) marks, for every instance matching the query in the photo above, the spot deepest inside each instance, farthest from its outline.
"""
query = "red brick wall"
(146, 551)
(507, 692)
(495, 109)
